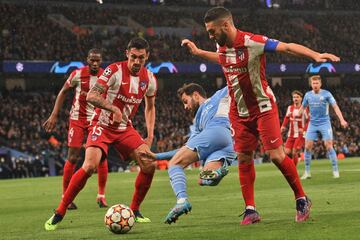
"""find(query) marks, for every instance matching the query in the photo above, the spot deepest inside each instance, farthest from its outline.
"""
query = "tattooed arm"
(95, 97)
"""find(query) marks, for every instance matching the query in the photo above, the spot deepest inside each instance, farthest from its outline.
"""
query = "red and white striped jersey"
(82, 80)
(295, 121)
(244, 67)
(124, 91)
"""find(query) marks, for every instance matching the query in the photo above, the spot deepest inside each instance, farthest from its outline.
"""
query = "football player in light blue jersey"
(318, 101)
(210, 142)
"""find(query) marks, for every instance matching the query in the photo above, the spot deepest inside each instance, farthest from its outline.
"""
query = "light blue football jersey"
(319, 106)
(213, 112)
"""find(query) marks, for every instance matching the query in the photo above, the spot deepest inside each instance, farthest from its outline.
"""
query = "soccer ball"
(119, 219)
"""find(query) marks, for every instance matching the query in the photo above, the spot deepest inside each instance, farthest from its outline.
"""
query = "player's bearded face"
(190, 104)
(94, 61)
(136, 59)
(216, 32)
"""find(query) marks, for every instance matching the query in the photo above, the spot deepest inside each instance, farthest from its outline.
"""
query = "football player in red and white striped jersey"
(253, 110)
(297, 126)
(118, 93)
(81, 81)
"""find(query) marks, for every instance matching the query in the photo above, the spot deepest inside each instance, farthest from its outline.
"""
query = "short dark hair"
(297, 92)
(138, 43)
(216, 13)
(190, 88)
(94, 51)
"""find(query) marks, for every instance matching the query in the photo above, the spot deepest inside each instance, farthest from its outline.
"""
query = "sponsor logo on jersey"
(235, 69)
(131, 100)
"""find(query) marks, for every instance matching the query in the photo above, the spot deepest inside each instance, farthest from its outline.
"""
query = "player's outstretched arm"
(50, 123)
(166, 155)
(95, 97)
(194, 50)
(302, 51)
(338, 112)
(150, 119)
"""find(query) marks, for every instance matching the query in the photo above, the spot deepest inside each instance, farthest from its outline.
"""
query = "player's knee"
(179, 162)
(149, 168)
(74, 155)
(245, 157)
(73, 158)
(90, 166)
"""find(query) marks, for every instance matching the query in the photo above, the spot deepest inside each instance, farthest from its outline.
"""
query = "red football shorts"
(124, 142)
(77, 131)
(246, 131)
(296, 143)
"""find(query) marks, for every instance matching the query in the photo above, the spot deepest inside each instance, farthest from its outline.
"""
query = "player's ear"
(127, 53)
(147, 56)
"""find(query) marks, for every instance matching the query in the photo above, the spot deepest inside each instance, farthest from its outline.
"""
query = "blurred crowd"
(28, 33)
(22, 115)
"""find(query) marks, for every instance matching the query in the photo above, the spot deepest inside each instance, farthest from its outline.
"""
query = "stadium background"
(43, 41)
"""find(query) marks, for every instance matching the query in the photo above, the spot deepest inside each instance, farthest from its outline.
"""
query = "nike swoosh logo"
(124, 83)
(272, 141)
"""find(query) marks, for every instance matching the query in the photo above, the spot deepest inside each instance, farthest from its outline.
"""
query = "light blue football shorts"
(324, 129)
(213, 144)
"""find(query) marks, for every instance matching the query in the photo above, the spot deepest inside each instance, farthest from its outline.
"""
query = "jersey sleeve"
(331, 98)
(108, 77)
(286, 118)
(305, 101)
(152, 88)
(74, 79)
(260, 44)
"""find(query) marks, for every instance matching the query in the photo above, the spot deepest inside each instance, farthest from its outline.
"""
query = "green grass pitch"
(25, 205)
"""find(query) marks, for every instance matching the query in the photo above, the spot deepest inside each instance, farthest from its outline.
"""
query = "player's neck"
(232, 36)
(297, 105)
(202, 100)
(317, 92)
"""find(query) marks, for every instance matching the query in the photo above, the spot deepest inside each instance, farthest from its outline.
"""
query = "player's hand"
(324, 57)
(117, 116)
(194, 50)
(147, 155)
(344, 124)
(50, 123)
(283, 129)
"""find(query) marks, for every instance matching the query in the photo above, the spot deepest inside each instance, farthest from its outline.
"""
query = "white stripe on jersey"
(89, 107)
(254, 64)
(230, 55)
(238, 95)
(134, 84)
